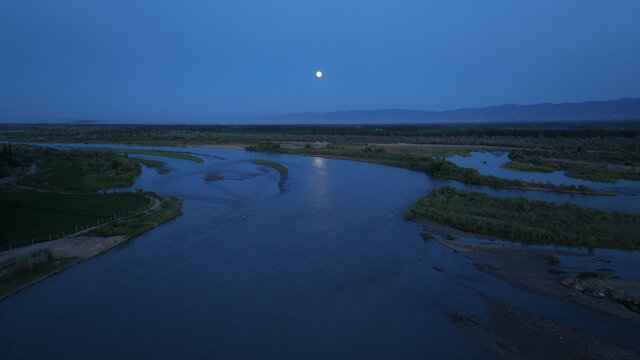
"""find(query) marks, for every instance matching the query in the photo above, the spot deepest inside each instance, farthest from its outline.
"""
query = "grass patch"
(552, 258)
(524, 220)
(27, 216)
(137, 225)
(600, 174)
(279, 167)
(426, 235)
(607, 165)
(164, 153)
(151, 163)
(520, 166)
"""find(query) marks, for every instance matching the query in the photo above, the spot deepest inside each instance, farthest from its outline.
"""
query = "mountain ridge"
(611, 110)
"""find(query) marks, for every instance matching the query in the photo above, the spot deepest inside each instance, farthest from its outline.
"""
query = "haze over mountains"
(626, 109)
(614, 110)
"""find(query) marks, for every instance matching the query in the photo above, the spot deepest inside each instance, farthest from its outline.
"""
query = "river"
(327, 268)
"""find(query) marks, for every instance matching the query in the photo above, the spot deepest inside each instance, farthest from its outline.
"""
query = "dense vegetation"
(590, 136)
(32, 216)
(528, 221)
(73, 170)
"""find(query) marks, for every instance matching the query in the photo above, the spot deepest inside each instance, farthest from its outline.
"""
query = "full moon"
(318, 74)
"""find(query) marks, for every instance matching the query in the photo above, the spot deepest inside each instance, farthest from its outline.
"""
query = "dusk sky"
(224, 61)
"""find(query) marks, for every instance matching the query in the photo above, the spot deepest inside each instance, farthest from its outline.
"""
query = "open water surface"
(326, 269)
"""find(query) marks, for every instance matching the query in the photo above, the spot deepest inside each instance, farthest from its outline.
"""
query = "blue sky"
(221, 61)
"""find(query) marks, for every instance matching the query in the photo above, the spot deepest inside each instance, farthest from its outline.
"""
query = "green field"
(528, 221)
(32, 215)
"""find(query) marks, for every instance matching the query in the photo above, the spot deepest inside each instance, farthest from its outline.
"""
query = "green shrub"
(552, 258)
(426, 235)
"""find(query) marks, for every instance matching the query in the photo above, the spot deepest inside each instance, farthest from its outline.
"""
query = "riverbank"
(509, 332)
(24, 266)
(544, 271)
(530, 269)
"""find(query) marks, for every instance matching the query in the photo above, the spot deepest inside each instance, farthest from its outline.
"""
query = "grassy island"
(284, 172)
(154, 152)
(274, 165)
(523, 220)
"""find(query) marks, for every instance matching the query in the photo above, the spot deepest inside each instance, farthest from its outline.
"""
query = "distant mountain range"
(591, 111)
(615, 110)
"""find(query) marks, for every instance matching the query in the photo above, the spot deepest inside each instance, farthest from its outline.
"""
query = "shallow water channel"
(327, 268)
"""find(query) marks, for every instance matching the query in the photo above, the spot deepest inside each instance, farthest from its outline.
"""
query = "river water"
(327, 268)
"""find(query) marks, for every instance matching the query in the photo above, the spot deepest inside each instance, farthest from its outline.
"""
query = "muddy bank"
(214, 176)
(512, 333)
(531, 270)
(602, 284)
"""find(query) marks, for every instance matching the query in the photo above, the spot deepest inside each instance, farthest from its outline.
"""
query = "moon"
(318, 74)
